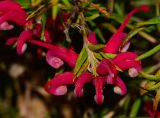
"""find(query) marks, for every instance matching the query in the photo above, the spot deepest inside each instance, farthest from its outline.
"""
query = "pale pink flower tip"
(99, 84)
(6, 26)
(52, 60)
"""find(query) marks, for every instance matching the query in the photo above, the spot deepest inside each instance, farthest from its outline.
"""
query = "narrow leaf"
(94, 16)
(131, 34)
(96, 47)
(81, 59)
(153, 21)
(55, 10)
(135, 108)
(107, 55)
(149, 53)
(83, 68)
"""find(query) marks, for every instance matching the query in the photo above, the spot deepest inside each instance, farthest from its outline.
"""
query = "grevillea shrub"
(82, 42)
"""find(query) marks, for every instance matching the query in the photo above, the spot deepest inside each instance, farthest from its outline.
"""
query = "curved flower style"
(116, 40)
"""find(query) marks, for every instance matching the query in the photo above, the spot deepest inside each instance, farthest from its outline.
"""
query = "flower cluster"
(106, 69)
(107, 72)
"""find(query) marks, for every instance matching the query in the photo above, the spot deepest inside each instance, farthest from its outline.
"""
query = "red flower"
(24, 36)
(11, 11)
(126, 60)
(107, 70)
(57, 86)
(116, 40)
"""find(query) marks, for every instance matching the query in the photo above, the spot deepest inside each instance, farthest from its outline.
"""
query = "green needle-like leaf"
(81, 59)
(131, 34)
(135, 108)
(153, 21)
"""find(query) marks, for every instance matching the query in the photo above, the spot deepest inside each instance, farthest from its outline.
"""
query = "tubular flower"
(11, 11)
(57, 86)
(81, 81)
(116, 40)
(120, 87)
(24, 36)
(126, 60)
(67, 55)
(110, 76)
(108, 70)
(99, 84)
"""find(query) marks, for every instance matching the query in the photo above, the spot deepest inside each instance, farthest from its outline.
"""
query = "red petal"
(68, 55)
(108, 70)
(121, 87)
(24, 36)
(125, 56)
(59, 82)
(115, 41)
(99, 84)
(11, 40)
(10, 5)
(81, 81)
(14, 16)
(126, 61)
